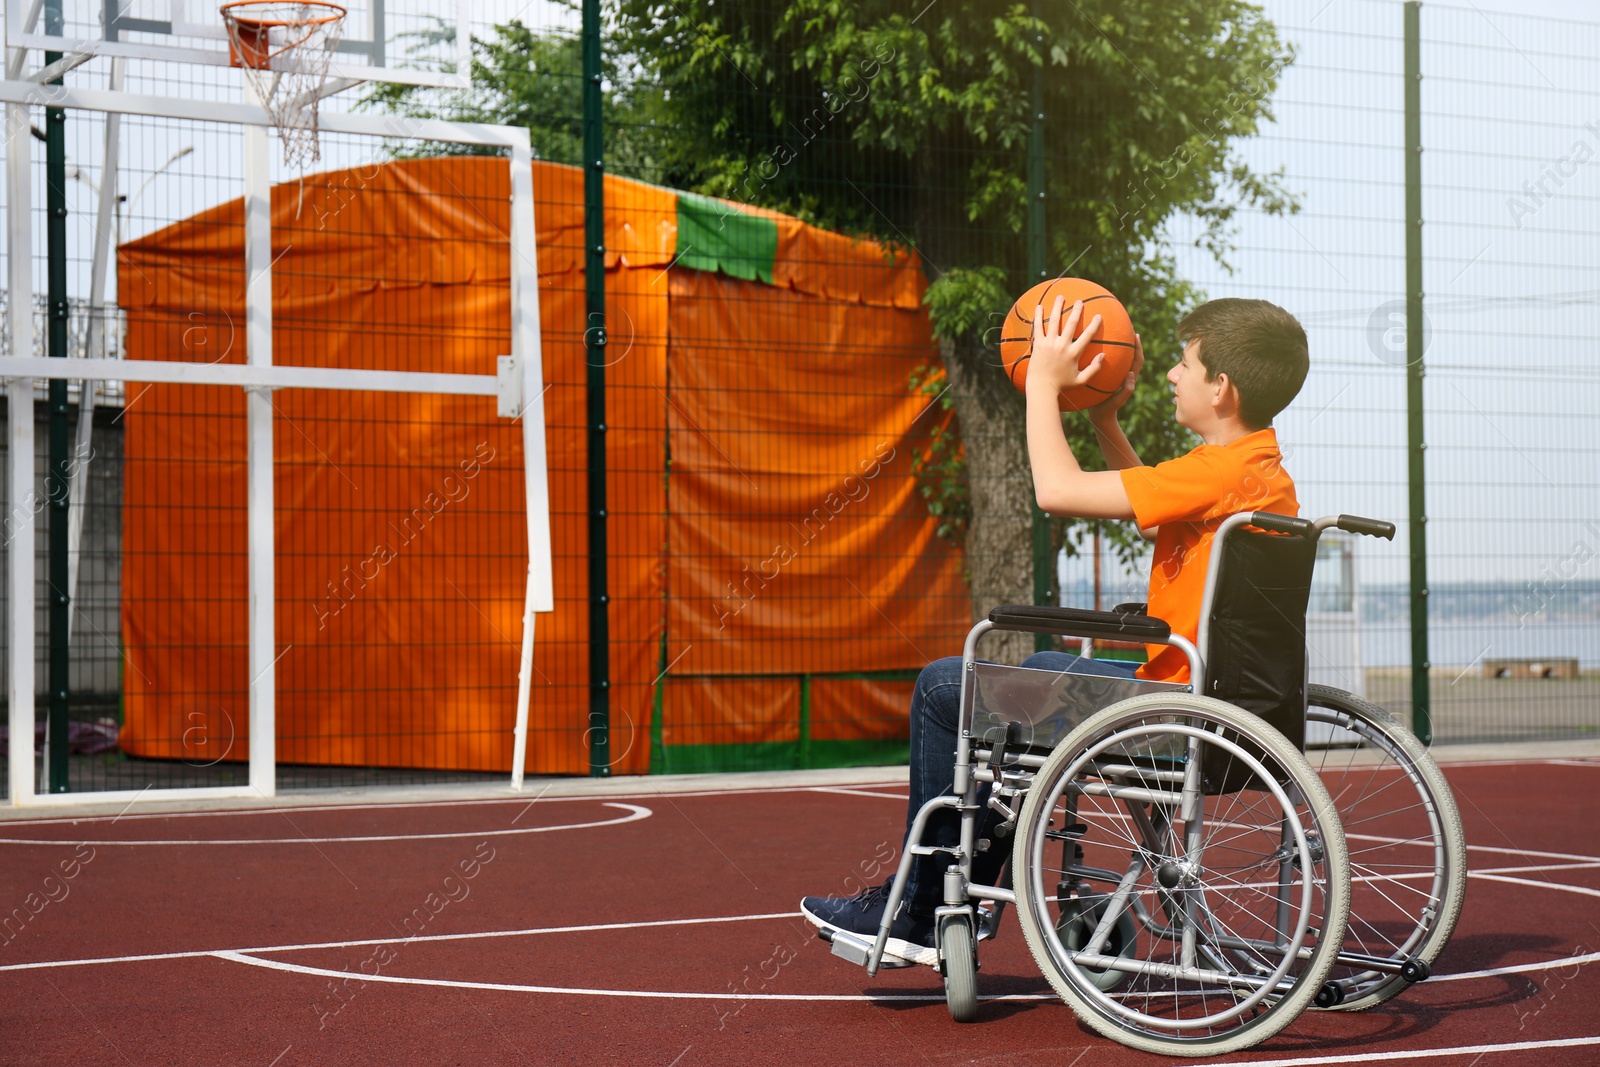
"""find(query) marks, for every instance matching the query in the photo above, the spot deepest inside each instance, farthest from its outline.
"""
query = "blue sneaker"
(911, 937)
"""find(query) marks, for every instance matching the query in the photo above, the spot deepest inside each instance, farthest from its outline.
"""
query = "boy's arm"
(1114, 444)
(1061, 486)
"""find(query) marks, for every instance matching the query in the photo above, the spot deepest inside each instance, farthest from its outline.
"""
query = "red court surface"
(660, 929)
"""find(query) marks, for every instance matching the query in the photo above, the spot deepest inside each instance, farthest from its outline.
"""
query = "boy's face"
(1191, 393)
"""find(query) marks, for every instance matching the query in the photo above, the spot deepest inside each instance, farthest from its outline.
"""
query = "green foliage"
(962, 301)
(524, 78)
(911, 124)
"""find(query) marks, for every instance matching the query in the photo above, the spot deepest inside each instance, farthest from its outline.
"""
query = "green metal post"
(1044, 571)
(803, 757)
(594, 233)
(56, 484)
(1421, 711)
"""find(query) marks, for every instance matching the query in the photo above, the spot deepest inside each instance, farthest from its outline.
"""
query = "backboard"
(412, 42)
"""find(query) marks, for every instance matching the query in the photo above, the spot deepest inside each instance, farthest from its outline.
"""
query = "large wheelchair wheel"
(1238, 899)
(1408, 856)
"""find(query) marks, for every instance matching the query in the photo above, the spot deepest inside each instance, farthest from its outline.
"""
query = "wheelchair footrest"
(847, 946)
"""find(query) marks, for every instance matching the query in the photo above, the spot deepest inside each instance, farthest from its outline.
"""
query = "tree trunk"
(999, 543)
(991, 414)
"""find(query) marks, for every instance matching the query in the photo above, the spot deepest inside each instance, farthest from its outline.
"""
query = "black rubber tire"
(1221, 1015)
(1433, 886)
(960, 970)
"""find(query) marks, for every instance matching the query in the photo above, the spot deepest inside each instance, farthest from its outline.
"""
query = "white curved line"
(1411, 1054)
(410, 939)
(1521, 968)
(646, 994)
(635, 813)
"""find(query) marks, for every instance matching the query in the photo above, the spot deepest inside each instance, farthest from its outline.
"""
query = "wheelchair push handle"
(1284, 524)
(1371, 527)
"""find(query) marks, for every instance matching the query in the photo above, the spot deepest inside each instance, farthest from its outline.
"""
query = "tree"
(912, 125)
(524, 78)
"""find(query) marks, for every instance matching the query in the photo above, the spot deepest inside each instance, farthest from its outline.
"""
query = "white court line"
(534, 798)
(282, 809)
(645, 994)
(635, 813)
(1588, 866)
(364, 942)
(1551, 761)
(857, 792)
(1585, 890)
(1565, 961)
(641, 795)
(1530, 853)
(1518, 968)
(1410, 1054)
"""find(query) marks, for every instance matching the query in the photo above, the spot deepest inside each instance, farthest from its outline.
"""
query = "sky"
(1510, 277)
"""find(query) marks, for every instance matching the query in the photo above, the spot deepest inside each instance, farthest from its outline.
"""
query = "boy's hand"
(1105, 412)
(1056, 348)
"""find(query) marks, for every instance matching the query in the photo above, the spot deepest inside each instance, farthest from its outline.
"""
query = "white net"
(284, 50)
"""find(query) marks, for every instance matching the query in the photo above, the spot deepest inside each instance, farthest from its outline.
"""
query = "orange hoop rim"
(229, 12)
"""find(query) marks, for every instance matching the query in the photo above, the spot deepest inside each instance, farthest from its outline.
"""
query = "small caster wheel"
(1415, 969)
(1331, 995)
(960, 970)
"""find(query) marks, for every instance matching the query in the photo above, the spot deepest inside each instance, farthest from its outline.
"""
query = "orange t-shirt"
(1188, 498)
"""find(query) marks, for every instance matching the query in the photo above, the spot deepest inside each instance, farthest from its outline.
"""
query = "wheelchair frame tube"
(908, 856)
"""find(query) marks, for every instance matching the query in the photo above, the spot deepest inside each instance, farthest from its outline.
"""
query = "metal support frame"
(263, 625)
(59, 610)
(21, 34)
(19, 522)
(594, 238)
(104, 229)
(259, 377)
(1421, 696)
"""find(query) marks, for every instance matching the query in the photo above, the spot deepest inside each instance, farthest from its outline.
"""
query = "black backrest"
(1255, 650)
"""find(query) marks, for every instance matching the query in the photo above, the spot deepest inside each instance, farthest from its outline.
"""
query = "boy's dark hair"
(1259, 346)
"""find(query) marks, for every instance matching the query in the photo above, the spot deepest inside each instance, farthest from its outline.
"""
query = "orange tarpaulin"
(740, 417)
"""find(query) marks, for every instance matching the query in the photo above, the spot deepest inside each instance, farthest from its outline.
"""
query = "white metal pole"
(19, 520)
(526, 351)
(18, 57)
(83, 447)
(258, 406)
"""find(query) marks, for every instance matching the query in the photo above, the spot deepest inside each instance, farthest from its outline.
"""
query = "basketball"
(1114, 338)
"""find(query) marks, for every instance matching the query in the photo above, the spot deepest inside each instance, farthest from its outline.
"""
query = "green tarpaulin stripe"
(776, 756)
(716, 236)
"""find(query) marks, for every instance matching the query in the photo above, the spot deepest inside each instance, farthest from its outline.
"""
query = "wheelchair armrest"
(1139, 608)
(1080, 622)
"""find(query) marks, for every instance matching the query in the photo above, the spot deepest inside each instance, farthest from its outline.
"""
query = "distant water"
(1461, 643)
(1456, 641)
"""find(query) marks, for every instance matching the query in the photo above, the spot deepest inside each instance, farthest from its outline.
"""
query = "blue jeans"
(935, 721)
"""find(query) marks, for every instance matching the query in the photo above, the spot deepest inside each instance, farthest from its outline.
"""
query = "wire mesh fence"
(811, 458)
(1509, 262)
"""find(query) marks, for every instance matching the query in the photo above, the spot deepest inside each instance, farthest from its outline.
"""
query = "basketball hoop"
(284, 49)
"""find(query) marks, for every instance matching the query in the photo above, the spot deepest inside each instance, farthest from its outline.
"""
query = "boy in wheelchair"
(1243, 362)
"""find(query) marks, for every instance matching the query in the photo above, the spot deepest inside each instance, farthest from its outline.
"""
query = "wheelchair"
(1188, 871)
